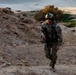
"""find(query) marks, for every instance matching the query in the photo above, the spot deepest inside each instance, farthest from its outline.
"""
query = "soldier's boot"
(54, 58)
(53, 68)
(50, 64)
(48, 56)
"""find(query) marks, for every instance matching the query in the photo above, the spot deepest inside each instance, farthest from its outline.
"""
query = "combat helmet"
(49, 16)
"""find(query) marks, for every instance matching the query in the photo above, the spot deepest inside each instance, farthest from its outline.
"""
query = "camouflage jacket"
(47, 30)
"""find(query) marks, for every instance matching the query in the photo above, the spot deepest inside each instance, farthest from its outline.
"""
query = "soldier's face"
(49, 21)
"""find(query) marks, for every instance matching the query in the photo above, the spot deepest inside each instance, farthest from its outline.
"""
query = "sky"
(39, 1)
(36, 4)
(18, 1)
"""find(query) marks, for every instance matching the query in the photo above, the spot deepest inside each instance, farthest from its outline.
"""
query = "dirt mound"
(17, 29)
(6, 10)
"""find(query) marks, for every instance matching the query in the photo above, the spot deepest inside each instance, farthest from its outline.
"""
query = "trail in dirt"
(38, 70)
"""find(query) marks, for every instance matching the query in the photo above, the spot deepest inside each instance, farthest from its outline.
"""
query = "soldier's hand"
(43, 36)
(57, 47)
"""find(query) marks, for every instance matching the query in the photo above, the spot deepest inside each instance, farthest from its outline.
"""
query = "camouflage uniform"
(51, 43)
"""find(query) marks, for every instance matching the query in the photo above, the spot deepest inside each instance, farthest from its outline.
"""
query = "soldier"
(52, 36)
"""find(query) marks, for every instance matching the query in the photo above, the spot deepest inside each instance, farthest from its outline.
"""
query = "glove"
(60, 44)
(57, 47)
(43, 36)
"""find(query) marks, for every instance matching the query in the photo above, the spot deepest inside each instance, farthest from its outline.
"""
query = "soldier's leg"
(54, 56)
(47, 50)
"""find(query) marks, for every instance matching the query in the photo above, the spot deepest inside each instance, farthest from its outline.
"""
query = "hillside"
(17, 28)
(20, 46)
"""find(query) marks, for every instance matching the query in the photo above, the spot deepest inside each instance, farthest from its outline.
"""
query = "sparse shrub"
(66, 18)
(47, 9)
(39, 16)
(72, 24)
(51, 9)
(24, 13)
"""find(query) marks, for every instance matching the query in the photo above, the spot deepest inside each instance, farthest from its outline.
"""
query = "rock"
(18, 10)
(6, 10)
(73, 30)
(73, 20)
(5, 17)
(6, 65)
(0, 14)
(20, 64)
(2, 60)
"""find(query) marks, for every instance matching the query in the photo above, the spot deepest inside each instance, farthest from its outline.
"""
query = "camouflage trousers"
(51, 52)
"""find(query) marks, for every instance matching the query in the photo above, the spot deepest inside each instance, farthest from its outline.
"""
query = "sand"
(71, 10)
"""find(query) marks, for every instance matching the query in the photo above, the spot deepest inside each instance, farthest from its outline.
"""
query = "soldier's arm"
(59, 34)
(43, 31)
(43, 28)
